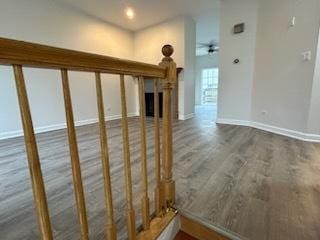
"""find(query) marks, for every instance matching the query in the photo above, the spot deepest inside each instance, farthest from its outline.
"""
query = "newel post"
(168, 184)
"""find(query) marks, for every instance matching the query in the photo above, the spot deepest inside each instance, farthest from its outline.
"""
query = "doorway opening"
(209, 86)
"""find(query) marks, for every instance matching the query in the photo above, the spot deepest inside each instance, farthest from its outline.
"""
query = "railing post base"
(131, 223)
(159, 200)
(145, 213)
(169, 189)
(111, 232)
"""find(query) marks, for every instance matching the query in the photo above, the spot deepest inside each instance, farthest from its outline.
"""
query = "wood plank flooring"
(199, 230)
(253, 183)
(184, 236)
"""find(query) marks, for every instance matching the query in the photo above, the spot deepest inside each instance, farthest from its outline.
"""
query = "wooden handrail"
(42, 56)
(20, 54)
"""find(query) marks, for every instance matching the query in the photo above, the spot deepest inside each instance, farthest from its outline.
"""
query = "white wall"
(272, 88)
(314, 113)
(283, 81)
(235, 80)
(149, 42)
(180, 33)
(203, 62)
(45, 22)
(49, 23)
(189, 71)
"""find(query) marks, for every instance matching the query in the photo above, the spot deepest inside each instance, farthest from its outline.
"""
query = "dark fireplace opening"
(149, 97)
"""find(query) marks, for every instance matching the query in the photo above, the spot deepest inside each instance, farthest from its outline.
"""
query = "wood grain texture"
(199, 231)
(143, 152)
(42, 56)
(157, 225)
(168, 183)
(257, 184)
(250, 182)
(38, 187)
(158, 196)
(176, 95)
(184, 236)
(20, 53)
(127, 163)
(110, 227)
(74, 156)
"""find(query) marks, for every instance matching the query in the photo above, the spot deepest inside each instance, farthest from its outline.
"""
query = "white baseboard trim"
(171, 230)
(19, 133)
(269, 128)
(232, 122)
(186, 117)
(230, 235)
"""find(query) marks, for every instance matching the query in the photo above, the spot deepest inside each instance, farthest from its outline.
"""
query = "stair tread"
(184, 236)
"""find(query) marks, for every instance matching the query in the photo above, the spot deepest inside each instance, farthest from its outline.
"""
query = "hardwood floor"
(184, 236)
(199, 230)
(253, 183)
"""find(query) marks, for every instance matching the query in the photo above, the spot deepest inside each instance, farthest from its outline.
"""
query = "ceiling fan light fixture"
(212, 47)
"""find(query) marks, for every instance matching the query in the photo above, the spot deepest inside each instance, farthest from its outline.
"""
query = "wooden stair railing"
(19, 54)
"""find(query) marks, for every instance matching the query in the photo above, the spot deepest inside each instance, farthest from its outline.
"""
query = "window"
(209, 88)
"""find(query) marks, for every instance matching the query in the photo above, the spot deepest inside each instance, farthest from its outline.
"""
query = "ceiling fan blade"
(212, 53)
(202, 47)
(203, 44)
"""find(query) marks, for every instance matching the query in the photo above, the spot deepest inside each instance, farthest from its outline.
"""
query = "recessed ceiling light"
(130, 13)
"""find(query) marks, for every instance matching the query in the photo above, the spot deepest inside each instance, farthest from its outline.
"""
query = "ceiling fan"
(212, 47)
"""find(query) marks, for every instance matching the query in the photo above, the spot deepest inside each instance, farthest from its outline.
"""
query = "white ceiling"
(150, 12)
(208, 27)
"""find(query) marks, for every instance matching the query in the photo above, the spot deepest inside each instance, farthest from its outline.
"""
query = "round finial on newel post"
(167, 51)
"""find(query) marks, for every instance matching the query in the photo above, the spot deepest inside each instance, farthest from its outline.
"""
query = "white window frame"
(203, 71)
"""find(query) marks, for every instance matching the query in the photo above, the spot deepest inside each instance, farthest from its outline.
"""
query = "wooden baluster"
(38, 187)
(158, 195)
(75, 162)
(168, 183)
(111, 227)
(144, 168)
(127, 164)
